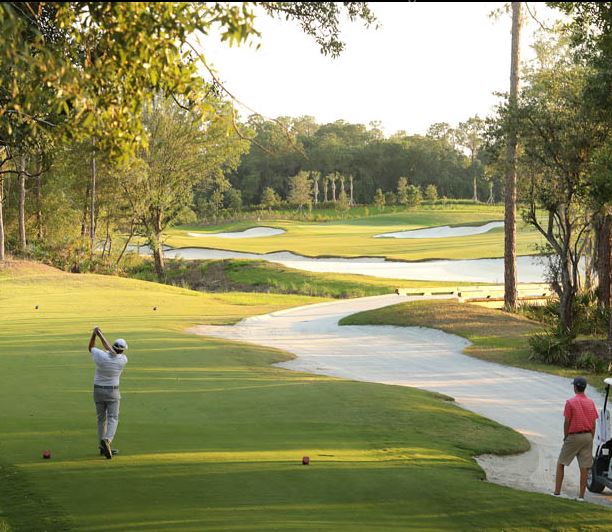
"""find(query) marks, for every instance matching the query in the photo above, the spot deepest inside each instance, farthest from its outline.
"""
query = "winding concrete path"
(529, 402)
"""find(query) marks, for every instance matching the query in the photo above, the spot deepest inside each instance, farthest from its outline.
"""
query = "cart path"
(528, 401)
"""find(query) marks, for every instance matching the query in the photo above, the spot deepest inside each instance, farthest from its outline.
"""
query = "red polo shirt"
(581, 412)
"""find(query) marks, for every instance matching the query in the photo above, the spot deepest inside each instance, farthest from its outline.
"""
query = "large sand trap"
(253, 232)
(530, 268)
(530, 402)
(443, 232)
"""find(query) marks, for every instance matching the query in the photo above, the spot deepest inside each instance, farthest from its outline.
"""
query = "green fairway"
(212, 436)
(355, 237)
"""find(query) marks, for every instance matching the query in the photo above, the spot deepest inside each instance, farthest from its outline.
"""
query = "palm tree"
(315, 185)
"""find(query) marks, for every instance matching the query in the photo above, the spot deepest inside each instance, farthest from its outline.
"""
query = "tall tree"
(510, 291)
(300, 193)
(269, 199)
(184, 148)
(559, 140)
(402, 191)
(470, 137)
(316, 177)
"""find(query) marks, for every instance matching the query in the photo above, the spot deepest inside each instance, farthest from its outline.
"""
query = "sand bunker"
(528, 401)
(530, 268)
(443, 232)
(253, 232)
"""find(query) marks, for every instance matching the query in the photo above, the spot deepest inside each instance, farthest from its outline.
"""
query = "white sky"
(427, 63)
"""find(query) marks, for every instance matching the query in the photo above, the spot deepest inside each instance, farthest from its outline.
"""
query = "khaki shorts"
(577, 445)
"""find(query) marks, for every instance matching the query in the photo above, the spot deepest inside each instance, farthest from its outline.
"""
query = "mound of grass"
(212, 436)
(260, 276)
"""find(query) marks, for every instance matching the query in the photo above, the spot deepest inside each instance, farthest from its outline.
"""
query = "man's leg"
(559, 478)
(101, 412)
(584, 472)
(113, 419)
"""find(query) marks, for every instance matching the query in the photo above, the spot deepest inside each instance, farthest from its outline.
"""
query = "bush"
(555, 347)
(552, 347)
(591, 362)
(589, 317)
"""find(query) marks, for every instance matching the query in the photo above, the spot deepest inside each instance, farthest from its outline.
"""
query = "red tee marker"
(46, 455)
(305, 460)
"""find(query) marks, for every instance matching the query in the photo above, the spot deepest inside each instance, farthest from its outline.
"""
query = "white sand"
(443, 231)
(530, 268)
(530, 402)
(253, 232)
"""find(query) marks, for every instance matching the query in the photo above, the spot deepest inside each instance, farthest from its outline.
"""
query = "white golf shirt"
(108, 367)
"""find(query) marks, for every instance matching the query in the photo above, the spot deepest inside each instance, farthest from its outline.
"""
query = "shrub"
(591, 362)
(552, 347)
(589, 317)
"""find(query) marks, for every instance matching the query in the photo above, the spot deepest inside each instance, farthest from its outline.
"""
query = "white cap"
(120, 343)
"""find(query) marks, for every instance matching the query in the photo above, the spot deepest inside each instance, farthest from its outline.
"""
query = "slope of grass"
(355, 237)
(212, 436)
(261, 276)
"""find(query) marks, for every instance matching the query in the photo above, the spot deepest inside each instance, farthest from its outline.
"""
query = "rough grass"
(212, 435)
(354, 238)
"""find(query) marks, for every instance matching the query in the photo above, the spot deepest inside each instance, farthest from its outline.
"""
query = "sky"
(427, 63)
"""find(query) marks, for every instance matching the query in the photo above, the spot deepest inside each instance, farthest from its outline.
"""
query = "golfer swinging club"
(109, 365)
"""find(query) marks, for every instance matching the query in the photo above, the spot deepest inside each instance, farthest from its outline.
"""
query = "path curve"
(528, 401)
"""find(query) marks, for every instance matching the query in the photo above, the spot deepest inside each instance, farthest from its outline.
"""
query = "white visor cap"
(121, 344)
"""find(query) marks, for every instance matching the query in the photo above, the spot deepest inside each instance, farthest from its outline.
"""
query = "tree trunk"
(315, 188)
(1, 218)
(85, 207)
(566, 297)
(325, 185)
(92, 213)
(127, 243)
(589, 265)
(603, 258)
(510, 293)
(23, 243)
(352, 202)
(491, 199)
(474, 180)
(158, 257)
(39, 217)
(333, 190)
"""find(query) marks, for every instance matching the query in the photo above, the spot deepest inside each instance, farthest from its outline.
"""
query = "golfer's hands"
(97, 330)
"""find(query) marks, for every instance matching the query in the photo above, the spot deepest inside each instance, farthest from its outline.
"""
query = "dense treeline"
(291, 145)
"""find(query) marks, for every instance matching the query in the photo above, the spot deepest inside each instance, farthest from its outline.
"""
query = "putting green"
(212, 435)
(355, 238)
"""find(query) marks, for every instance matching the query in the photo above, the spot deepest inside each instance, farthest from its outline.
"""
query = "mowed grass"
(496, 336)
(212, 435)
(355, 237)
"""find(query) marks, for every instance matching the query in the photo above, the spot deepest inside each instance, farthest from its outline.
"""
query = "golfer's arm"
(566, 427)
(106, 345)
(92, 340)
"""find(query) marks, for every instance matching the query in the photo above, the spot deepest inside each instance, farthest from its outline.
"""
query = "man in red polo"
(579, 428)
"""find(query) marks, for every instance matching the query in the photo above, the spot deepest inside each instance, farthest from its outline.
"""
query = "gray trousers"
(107, 409)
